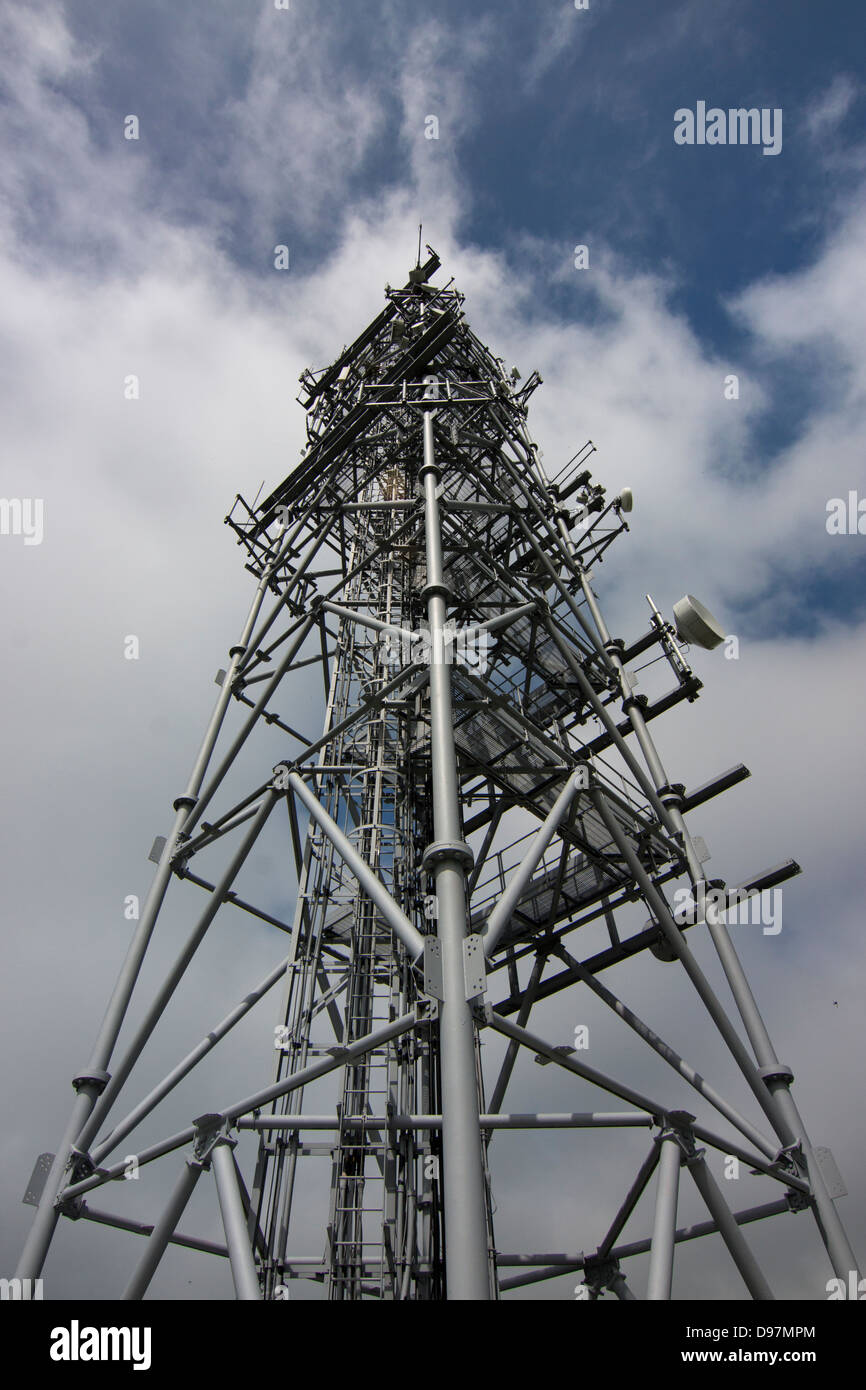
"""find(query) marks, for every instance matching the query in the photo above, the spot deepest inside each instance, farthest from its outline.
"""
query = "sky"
(154, 258)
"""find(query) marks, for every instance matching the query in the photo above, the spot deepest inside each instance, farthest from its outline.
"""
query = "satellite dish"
(626, 500)
(696, 624)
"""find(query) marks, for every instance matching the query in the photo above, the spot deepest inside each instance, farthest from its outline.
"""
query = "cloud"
(829, 110)
(296, 136)
(562, 29)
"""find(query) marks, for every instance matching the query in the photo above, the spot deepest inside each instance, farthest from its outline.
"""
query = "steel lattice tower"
(421, 559)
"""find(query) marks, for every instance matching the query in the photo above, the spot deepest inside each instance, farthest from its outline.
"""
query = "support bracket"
(474, 972)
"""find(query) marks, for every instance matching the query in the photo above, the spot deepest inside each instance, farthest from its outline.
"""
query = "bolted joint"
(677, 1126)
(180, 854)
(672, 795)
(640, 701)
(80, 1165)
(482, 1012)
(790, 1161)
(437, 591)
(426, 1011)
(600, 1274)
(211, 1130)
(184, 803)
(780, 1071)
(73, 1208)
(442, 850)
(797, 1201)
(615, 647)
(96, 1078)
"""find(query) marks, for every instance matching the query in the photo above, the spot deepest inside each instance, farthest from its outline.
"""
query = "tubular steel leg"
(243, 1265)
(729, 1230)
(665, 1225)
(175, 975)
(465, 1198)
(778, 1079)
(90, 1086)
(255, 1102)
(47, 1215)
(658, 905)
(163, 1231)
(776, 1076)
(177, 1074)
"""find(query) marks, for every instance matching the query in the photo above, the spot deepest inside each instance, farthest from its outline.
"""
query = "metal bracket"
(701, 849)
(433, 967)
(833, 1180)
(789, 1161)
(157, 849)
(211, 1129)
(600, 1274)
(677, 1124)
(38, 1179)
(474, 972)
(797, 1201)
(80, 1165)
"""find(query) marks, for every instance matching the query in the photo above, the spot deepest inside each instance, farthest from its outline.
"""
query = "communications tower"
(470, 835)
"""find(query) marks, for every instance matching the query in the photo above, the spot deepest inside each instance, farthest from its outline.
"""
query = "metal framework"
(420, 559)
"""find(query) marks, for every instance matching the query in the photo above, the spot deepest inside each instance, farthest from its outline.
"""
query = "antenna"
(695, 623)
(418, 262)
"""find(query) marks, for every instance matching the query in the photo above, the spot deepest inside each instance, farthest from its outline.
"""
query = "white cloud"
(561, 29)
(296, 135)
(832, 106)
